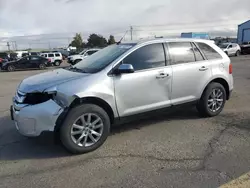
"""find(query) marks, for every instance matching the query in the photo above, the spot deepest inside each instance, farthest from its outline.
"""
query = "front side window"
(147, 57)
(208, 51)
(181, 52)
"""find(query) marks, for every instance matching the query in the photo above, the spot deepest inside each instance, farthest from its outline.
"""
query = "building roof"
(244, 23)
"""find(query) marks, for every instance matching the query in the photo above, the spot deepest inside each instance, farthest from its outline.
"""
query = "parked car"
(119, 82)
(28, 62)
(74, 59)
(54, 57)
(231, 49)
(245, 48)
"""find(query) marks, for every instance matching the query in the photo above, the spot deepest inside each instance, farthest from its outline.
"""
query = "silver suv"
(81, 102)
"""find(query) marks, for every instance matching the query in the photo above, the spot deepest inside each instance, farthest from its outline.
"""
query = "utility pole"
(8, 44)
(131, 32)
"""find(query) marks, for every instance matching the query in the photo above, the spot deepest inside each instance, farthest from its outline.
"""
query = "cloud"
(163, 17)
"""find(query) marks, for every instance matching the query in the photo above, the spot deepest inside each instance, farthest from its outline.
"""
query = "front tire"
(57, 63)
(212, 101)
(11, 68)
(85, 129)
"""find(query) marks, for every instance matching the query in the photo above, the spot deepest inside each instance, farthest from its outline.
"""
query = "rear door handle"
(203, 68)
(162, 75)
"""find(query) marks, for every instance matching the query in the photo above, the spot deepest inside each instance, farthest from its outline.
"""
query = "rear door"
(190, 72)
(34, 61)
(51, 56)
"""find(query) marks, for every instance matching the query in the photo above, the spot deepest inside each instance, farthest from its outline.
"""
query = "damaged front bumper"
(32, 120)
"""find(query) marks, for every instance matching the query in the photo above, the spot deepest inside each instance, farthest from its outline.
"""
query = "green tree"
(111, 40)
(77, 41)
(95, 40)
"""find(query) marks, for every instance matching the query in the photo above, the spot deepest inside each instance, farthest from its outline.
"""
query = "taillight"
(230, 68)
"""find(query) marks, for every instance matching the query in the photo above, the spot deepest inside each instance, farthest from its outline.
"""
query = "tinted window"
(181, 52)
(57, 55)
(91, 52)
(51, 55)
(34, 58)
(147, 57)
(208, 51)
(33, 53)
(197, 53)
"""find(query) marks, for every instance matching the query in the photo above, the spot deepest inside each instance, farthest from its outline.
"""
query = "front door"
(23, 63)
(190, 72)
(149, 87)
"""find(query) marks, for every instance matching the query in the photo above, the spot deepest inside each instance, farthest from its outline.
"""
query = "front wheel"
(85, 129)
(57, 63)
(212, 101)
(11, 68)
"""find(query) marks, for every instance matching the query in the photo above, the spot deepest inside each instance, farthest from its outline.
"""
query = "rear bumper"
(32, 120)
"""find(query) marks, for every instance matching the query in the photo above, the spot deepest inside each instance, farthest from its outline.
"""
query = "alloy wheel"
(87, 130)
(215, 100)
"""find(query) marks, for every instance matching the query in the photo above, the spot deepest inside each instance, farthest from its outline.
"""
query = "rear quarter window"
(57, 55)
(208, 51)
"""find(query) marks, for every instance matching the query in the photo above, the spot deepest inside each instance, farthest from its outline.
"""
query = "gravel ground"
(176, 149)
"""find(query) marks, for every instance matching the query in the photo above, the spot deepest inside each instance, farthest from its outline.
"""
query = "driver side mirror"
(125, 68)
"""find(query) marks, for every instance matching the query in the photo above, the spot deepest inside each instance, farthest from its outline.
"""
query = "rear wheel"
(11, 68)
(42, 66)
(237, 53)
(212, 101)
(85, 129)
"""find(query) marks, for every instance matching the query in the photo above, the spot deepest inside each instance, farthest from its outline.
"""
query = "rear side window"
(147, 57)
(51, 55)
(57, 55)
(197, 53)
(181, 52)
(208, 51)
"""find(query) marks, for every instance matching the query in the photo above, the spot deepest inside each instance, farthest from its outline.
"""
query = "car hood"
(43, 81)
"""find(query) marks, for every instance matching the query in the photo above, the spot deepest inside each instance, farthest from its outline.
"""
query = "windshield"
(102, 58)
(81, 53)
(223, 45)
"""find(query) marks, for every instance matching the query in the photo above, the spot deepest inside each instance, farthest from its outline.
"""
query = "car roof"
(168, 40)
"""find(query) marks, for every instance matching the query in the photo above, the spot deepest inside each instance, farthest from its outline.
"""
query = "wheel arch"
(223, 82)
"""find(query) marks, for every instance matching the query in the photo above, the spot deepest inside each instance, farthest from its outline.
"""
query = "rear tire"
(42, 66)
(237, 53)
(78, 125)
(11, 68)
(212, 101)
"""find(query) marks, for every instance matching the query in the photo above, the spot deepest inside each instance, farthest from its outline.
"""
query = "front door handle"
(162, 75)
(203, 68)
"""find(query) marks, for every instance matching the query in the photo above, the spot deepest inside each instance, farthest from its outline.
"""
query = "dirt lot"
(177, 149)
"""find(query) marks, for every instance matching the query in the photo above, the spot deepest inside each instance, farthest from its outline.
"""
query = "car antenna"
(122, 38)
